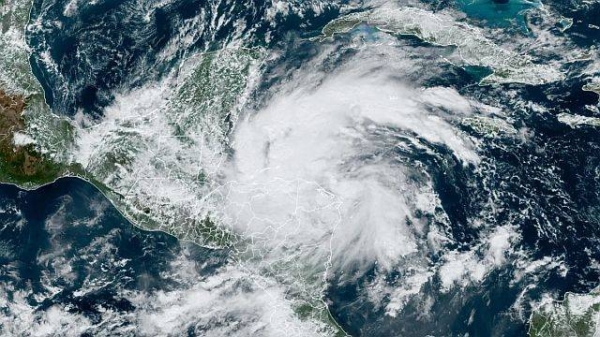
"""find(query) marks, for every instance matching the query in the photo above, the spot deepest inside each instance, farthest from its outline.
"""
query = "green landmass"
(488, 127)
(577, 316)
(26, 124)
(343, 25)
(38, 146)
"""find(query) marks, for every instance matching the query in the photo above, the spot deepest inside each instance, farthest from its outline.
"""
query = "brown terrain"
(11, 108)
(18, 163)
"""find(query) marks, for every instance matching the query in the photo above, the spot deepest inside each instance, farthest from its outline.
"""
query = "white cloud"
(318, 160)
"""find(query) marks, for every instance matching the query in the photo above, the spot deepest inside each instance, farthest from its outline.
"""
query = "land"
(22, 163)
(577, 315)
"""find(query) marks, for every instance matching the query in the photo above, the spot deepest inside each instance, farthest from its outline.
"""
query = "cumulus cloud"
(315, 169)
(316, 180)
(229, 303)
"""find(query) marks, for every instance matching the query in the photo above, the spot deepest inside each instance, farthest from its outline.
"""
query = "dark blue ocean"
(553, 178)
(67, 236)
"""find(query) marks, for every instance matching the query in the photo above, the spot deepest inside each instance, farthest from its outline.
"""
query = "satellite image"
(300, 168)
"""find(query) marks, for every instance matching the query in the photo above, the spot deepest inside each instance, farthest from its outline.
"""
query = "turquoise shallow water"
(498, 13)
(547, 187)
